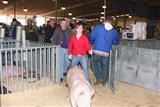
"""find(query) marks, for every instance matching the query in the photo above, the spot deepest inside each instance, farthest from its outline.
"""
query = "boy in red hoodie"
(77, 49)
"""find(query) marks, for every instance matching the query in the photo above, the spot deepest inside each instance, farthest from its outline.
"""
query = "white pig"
(14, 71)
(80, 89)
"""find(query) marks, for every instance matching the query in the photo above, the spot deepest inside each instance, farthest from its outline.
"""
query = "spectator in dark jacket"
(31, 31)
(49, 31)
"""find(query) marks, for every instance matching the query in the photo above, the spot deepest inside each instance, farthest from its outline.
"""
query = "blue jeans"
(100, 65)
(83, 60)
(64, 61)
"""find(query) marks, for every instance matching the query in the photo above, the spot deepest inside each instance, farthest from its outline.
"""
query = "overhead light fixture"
(63, 8)
(25, 10)
(117, 16)
(73, 18)
(122, 15)
(130, 16)
(102, 12)
(114, 18)
(126, 14)
(70, 14)
(5, 2)
(102, 17)
(103, 7)
(101, 20)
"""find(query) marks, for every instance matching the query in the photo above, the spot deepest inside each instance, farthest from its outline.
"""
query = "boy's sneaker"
(61, 80)
(97, 82)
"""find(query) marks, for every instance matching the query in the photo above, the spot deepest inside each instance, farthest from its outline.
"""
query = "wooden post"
(14, 8)
(105, 9)
(56, 3)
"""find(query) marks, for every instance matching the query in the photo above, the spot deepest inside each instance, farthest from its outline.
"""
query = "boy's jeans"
(83, 60)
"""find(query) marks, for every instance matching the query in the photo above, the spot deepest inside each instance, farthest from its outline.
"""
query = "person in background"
(13, 28)
(86, 30)
(77, 49)
(157, 31)
(49, 31)
(61, 37)
(102, 37)
(31, 31)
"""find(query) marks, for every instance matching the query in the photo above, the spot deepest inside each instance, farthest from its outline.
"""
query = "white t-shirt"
(108, 26)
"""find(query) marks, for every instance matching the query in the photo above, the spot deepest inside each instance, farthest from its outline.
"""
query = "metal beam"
(86, 15)
(71, 7)
(96, 13)
(10, 6)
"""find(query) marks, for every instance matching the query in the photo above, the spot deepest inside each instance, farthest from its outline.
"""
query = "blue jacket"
(102, 39)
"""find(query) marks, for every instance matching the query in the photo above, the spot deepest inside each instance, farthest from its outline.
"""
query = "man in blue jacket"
(102, 37)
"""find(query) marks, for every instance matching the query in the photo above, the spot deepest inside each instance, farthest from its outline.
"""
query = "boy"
(77, 49)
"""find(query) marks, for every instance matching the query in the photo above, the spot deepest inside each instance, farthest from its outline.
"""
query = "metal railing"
(28, 66)
(138, 63)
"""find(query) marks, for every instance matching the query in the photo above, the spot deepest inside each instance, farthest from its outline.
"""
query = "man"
(102, 37)
(61, 37)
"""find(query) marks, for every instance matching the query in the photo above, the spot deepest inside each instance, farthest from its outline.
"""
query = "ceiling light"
(114, 18)
(126, 14)
(103, 7)
(70, 14)
(101, 20)
(122, 15)
(5, 2)
(117, 16)
(73, 18)
(102, 12)
(63, 8)
(130, 16)
(102, 17)
(25, 10)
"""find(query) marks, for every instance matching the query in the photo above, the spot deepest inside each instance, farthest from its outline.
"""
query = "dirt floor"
(58, 96)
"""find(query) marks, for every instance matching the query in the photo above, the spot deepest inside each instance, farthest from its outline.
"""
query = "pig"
(81, 91)
(12, 71)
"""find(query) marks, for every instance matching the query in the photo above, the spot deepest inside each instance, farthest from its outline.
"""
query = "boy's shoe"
(61, 80)
(97, 82)
(104, 83)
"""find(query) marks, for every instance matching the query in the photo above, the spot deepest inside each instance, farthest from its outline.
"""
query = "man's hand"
(70, 57)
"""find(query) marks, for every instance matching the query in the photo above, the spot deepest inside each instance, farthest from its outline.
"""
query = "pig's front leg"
(73, 100)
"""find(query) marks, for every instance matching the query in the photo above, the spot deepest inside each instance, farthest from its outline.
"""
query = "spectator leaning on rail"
(77, 49)
(102, 37)
(61, 37)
